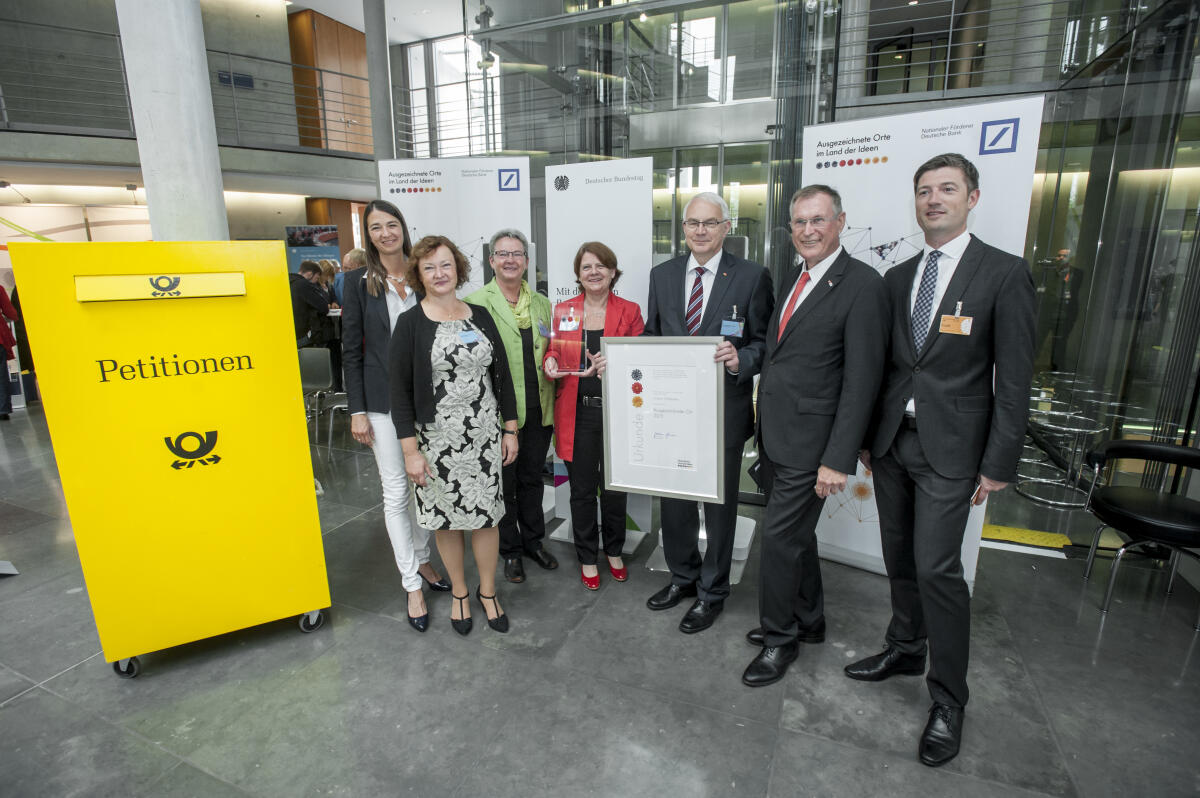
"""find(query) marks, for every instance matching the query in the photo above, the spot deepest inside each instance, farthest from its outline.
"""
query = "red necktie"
(695, 304)
(791, 305)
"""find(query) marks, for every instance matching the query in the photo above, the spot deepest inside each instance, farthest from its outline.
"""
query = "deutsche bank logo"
(510, 179)
(999, 135)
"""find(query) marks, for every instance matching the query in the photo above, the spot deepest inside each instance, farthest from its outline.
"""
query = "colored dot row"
(851, 162)
(429, 190)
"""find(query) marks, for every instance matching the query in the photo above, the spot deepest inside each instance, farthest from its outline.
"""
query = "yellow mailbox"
(172, 392)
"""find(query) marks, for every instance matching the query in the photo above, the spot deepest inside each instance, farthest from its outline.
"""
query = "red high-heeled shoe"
(590, 582)
(619, 574)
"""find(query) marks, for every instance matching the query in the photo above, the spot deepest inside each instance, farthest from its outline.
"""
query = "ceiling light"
(642, 17)
(898, 57)
(913, 2)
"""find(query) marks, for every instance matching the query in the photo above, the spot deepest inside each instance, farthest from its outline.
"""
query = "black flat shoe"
(441, 585)
(670, 595)
(500, 622)
(700, 616)
(939, 741)
(886, 664)
(543, 558)
(770, 665)
(462, 625)
(815, 634)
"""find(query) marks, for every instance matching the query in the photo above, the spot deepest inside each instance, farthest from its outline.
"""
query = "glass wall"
(1113, 238)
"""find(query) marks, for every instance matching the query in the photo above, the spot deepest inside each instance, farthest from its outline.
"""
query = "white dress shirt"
(706, 280)
(815, 273)
(952, 252)
(396, 305)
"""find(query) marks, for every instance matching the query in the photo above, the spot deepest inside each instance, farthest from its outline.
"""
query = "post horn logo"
(181, 448)
(164, 286)
(561, 183)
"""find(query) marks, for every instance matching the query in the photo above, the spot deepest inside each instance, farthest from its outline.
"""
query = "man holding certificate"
(821, 373)
(710, 292)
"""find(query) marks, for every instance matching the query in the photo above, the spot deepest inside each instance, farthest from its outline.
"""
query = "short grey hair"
(714, 198)
(509, 233)
(814, 190)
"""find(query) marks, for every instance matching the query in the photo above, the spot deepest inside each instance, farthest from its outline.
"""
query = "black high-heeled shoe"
(500, 622)
(462, 625)
(441, 585)
(420, 622)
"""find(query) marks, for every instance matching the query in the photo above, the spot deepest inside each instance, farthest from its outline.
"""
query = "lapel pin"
(830, 283)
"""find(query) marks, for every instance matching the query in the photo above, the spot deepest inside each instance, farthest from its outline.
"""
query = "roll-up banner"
(172, 392)
(611, 202)
(871, 162)
(464, 199)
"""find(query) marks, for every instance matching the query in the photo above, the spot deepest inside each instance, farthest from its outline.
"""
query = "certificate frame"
(664, 388)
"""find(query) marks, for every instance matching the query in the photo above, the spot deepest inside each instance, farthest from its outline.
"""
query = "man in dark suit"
(707, 292)
(820, 376)
(948, 431)
(309, 306)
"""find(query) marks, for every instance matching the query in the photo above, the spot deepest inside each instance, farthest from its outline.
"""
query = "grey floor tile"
(33, 483)
(602, 739)
(48, 627)
(333, 514)
(40, 552)
(349, 478)
(385, 712)
(185, 781)
(14, 518)
(191, 690)
(12, 684)
(804, 765)
(53, 748)
(621, 639)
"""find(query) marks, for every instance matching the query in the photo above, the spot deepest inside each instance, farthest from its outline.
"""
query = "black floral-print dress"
(462, 443)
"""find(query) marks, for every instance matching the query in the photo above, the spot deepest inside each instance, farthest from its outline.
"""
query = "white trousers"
(410, 542)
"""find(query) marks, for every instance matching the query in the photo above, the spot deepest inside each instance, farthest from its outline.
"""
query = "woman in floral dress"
(450, 389)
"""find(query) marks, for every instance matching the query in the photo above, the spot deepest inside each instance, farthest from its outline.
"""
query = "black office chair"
(1145, 516)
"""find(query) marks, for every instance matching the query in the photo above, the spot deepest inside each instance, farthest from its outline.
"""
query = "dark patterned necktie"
(695, 302)
(923, 307)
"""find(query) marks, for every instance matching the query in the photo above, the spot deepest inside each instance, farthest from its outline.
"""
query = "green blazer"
(493, 300)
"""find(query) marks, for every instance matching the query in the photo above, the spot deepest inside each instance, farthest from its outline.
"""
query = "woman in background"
(375, 296)
(580, 323)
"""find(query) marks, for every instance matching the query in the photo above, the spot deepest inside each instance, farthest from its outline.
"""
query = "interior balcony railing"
(56, 79)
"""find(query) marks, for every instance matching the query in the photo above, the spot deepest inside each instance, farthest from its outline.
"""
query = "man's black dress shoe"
(770, 665)
(544, 559)
(888, 662)
(514, 569)
(700, 616)
(669, 596)
(814, 634)
(441, 585)
(939, 741)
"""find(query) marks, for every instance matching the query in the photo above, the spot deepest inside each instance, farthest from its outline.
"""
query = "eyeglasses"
(800, 224)
(707, 224)
(503, 253)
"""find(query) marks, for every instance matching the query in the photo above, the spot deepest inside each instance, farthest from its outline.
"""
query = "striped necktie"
(695, 303)
(923, 307)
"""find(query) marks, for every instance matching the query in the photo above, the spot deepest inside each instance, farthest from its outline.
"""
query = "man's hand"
(986, 486)
(829, 482)
(727, 354)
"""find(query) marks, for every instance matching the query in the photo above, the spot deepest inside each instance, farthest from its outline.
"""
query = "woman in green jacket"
(523, 317)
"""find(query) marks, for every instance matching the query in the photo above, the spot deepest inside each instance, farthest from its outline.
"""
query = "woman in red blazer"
(574, 360)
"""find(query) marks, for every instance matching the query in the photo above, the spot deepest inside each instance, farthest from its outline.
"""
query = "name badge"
(468, 336)
(732, 327)
(956, 325)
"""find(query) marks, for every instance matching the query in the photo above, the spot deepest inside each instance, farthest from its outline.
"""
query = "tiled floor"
(589, 694)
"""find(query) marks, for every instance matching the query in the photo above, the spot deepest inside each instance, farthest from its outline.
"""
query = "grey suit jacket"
(966, 426)
(820, 380)
(737, 282)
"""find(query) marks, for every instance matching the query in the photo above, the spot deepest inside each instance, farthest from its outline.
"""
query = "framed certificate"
(664, 417)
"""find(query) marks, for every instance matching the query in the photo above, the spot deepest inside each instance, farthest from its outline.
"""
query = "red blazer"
(621, 318)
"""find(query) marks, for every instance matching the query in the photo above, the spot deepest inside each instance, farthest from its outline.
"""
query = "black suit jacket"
(366, 332)
(737, 282)
(820, 380)
(971, 391)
